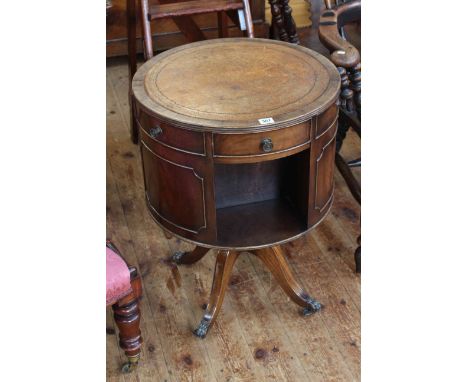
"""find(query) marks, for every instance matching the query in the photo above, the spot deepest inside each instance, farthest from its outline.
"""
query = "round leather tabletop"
(236, 83)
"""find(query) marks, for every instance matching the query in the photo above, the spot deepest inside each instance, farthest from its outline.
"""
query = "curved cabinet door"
(175, 194)
(324, 169)
(322, 163)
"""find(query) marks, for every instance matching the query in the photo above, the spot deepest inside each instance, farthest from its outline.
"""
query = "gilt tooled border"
(171, 101)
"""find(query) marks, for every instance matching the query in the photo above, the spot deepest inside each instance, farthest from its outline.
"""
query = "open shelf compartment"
(262, 203)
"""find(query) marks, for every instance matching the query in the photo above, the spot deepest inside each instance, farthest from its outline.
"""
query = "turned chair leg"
(127, 318)
(289, 23)
(274, 260)
(357, 256)
(277, 21)
(223, 269)
(134, 133)
(189, 257)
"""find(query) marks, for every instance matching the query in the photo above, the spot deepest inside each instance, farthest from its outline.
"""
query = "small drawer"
(173, 137)
(326, 121)
(268, 142)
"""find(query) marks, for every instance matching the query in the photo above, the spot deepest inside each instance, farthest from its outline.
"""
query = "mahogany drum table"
(238, 147)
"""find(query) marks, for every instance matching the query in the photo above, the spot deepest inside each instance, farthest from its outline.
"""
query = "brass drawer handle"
(155, 131)
(267, 145)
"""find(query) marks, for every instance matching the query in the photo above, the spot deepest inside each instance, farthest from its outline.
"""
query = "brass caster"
(313, 307)
(202, 329)
(131, 365)
(177, 256)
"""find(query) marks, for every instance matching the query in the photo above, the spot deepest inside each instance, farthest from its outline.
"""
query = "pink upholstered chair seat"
(117, 277)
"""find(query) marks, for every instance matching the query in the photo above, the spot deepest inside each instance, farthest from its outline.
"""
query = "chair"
(332, 34)
(283, 26)
(237, 10)
(123, 290)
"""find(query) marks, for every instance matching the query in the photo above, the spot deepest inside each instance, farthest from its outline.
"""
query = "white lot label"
(266, 121)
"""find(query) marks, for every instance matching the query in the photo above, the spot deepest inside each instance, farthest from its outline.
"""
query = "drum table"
(237, 142)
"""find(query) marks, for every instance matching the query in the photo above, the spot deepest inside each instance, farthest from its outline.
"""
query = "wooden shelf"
(260, 223)
(261, 203)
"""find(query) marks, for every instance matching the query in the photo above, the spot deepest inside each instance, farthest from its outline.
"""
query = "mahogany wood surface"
(225, 261)
(167, 135)
(275, 261)
(234, 145)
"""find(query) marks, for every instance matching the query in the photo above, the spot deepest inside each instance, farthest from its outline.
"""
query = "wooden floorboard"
(260, 334)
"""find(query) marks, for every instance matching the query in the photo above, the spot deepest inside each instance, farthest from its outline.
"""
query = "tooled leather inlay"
(256, 81)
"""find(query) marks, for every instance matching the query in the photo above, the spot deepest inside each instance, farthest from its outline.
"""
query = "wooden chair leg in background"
(289, 23)
(189, 257)
(248, 19)
(223, 269)
(127, 318)
(275, 261)
(277, 21)
(222, 25)
(355, 189)
(146, 29)
(132, 65)
(357, 256)
(133, 121)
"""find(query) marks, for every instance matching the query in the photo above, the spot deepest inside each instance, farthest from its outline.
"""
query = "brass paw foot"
(176, 257)
(313, 307)
(202, 329)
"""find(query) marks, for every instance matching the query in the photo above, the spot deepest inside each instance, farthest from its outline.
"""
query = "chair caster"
(131, 365)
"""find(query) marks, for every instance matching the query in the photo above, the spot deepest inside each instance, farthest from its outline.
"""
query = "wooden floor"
(259, 334)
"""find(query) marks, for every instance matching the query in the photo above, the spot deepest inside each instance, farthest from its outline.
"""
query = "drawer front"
(262, 143)
(173, 137)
